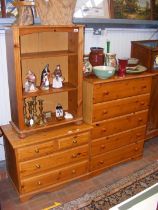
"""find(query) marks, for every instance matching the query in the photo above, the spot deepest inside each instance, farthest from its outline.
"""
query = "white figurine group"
(57, 82)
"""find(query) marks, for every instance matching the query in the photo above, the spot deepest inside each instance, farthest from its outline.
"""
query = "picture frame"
(138, 9)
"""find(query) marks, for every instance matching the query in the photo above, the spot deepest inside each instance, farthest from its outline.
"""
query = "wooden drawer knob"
(74, 141)
(101, 162)
(36, 150)
(140, 119)
(142, 102)
(74, 156)
(144, 87)
(102, 146)
(106, 92)
(138, 134)
(37, 165)
(136, 149)
(103, 129)
(39, 182)
(73, 171)
(105, 111)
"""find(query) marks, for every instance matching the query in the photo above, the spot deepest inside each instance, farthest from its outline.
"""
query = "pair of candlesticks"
(31, 116)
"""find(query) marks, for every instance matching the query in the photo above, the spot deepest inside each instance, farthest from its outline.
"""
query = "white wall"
(120, 44)
(4, 91)
(120, 39)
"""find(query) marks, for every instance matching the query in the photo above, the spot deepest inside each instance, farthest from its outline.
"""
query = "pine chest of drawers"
(47, 159)
(118, 111)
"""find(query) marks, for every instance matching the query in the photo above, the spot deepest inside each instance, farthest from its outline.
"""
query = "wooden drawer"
(105, 110)
(36, 150)
(119, 124)
(116, 141)
(54, 177)
(74, 140)
(117, 156)
(121, 89)
(52, 161)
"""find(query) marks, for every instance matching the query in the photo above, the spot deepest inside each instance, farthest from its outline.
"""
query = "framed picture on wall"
(132, 9)
(155, 9)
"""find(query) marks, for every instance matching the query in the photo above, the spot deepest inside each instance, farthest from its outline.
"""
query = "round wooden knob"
(73, 171)
(101, 162)
(102, 146)
(105, 111)
(106, 92)
(37, 165)
(74, 141)
(103, 129)
(39, 182)
(36, 150)
(74, 155)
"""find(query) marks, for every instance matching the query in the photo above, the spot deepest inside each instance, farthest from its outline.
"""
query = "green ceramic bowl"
(104, 72)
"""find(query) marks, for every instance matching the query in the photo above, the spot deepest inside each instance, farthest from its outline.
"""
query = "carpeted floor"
(111, 195)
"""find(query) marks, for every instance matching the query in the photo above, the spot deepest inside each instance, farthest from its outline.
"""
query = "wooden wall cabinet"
(31, 48)
(118, 111)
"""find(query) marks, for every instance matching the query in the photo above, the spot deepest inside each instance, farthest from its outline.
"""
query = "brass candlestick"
(41, 120)
(35, 116)
(26, 120)
(30, 109)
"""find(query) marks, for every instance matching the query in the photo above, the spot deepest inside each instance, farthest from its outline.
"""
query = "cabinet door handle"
(37, 165)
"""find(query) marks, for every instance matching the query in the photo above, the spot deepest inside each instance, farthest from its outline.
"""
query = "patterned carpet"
(111, 195)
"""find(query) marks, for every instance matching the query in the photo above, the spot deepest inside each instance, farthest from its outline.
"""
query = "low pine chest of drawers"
(47, 159)
(118, 110)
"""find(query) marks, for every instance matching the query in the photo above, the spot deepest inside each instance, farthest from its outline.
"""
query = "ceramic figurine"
(68, 116)
(57, 78)
(45, 76)
(30, 84)
(59, 113)
(87, 67)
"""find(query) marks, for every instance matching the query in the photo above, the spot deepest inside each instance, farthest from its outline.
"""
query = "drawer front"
(116, 141)
(37, 150)
(105, 110)
(74, 140)
(54, 177)
(119, 124)
(117, 156)
(121, 89)
(52, 161)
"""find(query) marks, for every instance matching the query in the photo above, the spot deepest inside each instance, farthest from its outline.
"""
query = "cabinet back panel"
(37, 65)
(46, 41)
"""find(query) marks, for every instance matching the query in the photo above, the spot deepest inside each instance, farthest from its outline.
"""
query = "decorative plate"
(135, 69)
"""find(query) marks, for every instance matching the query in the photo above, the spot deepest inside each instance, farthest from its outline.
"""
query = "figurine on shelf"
(57, 78)
(30, 84)
(59, 113)
(45, 76)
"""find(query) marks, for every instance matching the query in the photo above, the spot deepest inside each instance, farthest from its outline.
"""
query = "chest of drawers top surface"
(66, 132)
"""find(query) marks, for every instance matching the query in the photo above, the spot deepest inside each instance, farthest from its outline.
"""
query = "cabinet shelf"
(66, 88)
(46, 54)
